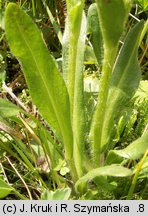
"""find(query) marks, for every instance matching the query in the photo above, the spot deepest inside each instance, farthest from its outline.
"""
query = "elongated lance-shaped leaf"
(112, 170)
(132, 152)
(79, 120)
(112, 17)
(124, 81)
(72, 5)
(75, 11)
(93, 29)
(65, 51)
(47, 87)
(73, 56)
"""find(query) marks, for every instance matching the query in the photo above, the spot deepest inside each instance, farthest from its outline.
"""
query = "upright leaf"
(47, 88)
(74, 19)
(93, 29)
(78, 105)
(65, 51)
(124, 80)
(74, 47)
(112, 17)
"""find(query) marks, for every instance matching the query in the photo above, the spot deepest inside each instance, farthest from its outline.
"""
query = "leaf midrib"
(42, 77)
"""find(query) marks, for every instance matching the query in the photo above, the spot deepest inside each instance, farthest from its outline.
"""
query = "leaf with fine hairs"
(46, 85)
(125, 80)
(112, 170)
(132, 152)
(93, 28)
(73, 63)
(112, 16)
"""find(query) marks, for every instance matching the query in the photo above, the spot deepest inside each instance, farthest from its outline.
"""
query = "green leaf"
(132, 152)
(89, 56)
(125, 80)
(142, 92)
(59, 194)
(93, 29)
(5, 189)
(74, 22)
(8, 109)
(127, 60)
(65, 51)
(112, 170)
(47, 87)
(112, 16)
(143, 4)
(102, 182)
(73, 57)
(79, 120)
(2, 63)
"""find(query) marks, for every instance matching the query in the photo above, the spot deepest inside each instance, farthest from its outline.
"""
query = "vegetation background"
(29, 168)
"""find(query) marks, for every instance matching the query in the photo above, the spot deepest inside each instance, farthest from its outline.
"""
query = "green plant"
(60, 100)
(143, 4)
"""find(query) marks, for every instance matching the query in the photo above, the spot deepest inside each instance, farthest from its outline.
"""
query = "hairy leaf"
(113, 170)
(78, 105)
(124, 80)
(134, 151)
(112, 15)
(47, 87)
(73, 57)
(93, 29)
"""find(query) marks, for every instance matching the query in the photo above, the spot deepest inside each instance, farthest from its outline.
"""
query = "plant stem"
(98, 121)
(33, 8)
(133, 185)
